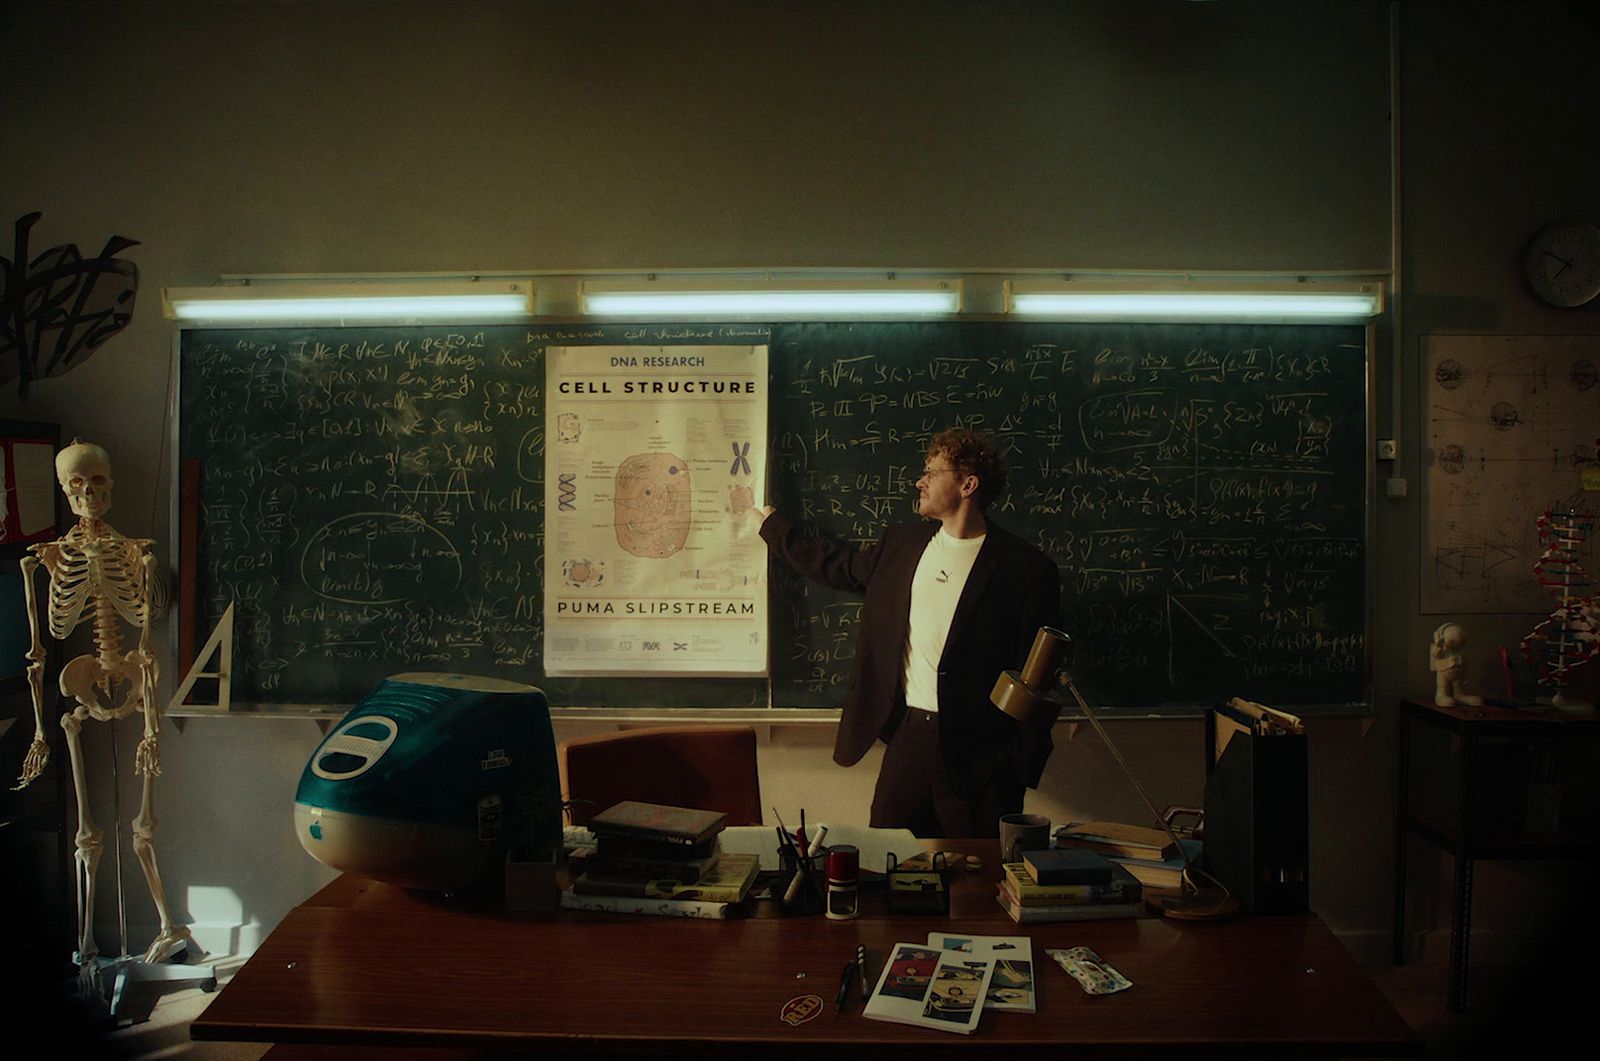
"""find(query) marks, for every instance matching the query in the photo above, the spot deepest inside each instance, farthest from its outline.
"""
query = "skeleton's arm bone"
(147, 758)
(39, 749)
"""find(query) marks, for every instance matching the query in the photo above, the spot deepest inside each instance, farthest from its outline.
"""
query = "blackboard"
(1201, 487)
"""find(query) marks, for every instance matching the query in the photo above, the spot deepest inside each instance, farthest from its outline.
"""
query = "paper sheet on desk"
(874, 844)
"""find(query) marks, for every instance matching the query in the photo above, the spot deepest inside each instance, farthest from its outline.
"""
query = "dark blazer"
(1012, 591)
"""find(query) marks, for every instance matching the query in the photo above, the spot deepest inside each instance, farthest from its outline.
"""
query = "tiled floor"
(1493, 1029)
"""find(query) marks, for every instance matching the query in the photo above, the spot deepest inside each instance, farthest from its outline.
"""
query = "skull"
(84, 471)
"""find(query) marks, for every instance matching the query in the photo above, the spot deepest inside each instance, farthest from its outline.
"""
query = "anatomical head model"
(100, 578)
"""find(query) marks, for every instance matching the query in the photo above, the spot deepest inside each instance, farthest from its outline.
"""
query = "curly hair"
(971, 453)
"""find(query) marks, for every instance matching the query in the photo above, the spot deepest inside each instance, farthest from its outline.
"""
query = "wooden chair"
(710, 767)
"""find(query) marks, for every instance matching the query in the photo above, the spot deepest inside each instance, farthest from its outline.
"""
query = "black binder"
(1257, 816)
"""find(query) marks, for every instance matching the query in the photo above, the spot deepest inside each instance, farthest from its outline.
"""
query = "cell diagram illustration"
(652, 505)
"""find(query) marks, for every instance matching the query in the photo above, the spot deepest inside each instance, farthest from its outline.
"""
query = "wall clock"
(1563, 263)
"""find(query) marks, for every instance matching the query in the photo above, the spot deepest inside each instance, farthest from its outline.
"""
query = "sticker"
(799, 1010)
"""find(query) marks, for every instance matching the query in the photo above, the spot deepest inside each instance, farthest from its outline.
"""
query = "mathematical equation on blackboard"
(1204, 501)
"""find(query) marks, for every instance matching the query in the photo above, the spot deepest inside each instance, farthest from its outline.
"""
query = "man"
(950, 604)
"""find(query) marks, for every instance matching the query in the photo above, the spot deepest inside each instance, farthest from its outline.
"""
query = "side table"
(1474, 726)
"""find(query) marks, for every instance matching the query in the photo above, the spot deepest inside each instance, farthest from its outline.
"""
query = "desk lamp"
(1028, 697)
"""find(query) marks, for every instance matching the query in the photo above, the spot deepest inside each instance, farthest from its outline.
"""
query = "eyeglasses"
(929, 473)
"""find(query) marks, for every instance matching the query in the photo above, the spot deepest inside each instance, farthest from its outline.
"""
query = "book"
(1024, 915)
(633, 820)
(619, 847)
(1108, 838)
(1011, 984)
(608, 865)
(931, 988)
(1122, 888)
(1160, 873)
(1068, 866)
(727, 882)
(626, 904)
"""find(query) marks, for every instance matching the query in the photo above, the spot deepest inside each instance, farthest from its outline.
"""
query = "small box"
(531, 881)
(923, 888)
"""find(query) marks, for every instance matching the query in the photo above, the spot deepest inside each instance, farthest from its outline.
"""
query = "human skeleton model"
(1448, 671)
(97, 576)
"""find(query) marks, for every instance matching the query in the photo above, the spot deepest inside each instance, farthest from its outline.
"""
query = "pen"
(844, 986)
(861, 963)
(801, 835)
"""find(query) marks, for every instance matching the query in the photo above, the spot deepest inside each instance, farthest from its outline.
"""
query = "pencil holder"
(809, 893)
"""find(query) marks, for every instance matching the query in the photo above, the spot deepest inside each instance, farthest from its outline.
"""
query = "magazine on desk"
(931, 988)
(1012, 985)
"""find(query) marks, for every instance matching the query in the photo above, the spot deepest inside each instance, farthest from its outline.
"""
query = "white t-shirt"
(935, 590)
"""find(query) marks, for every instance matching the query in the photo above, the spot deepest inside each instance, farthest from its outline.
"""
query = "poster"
(654, 456)
(1513, 427)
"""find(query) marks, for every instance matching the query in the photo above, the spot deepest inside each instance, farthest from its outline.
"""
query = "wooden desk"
(1464, 838)
(367, 963)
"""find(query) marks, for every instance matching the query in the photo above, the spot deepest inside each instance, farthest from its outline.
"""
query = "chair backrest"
(711, 768)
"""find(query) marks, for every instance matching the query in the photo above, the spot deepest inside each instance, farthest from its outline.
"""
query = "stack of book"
(1148, 854)
(1066, 885)
(654, 859)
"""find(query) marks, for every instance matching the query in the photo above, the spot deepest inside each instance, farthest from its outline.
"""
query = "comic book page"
(931, 988)
(1012, 985)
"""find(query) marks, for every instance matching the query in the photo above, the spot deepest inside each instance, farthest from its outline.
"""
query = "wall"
(378, 137)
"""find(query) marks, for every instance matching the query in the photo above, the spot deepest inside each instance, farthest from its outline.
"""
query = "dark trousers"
(914, 793)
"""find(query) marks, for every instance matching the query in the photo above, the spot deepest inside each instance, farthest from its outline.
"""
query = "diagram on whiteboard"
(646, 510)
(1512, 425)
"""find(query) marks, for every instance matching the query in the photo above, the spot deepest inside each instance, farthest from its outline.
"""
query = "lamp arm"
(1117, 755)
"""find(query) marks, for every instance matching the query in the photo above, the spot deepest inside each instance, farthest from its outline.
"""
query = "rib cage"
(90, 574)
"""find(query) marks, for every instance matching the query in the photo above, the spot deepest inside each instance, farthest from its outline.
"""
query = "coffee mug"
(1022, 832)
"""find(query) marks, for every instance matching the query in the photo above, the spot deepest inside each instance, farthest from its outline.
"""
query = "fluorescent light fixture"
(771, 298)
(1267, 303)
(272, 301)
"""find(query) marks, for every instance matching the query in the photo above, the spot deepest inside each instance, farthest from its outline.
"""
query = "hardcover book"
(727, 882)
(624, 904)
(1024, 915)
(1067, 866)
(624, 847)
(1122, 888)
(604, 864)
(1134, 841)
(1155, 873)
(633, 820)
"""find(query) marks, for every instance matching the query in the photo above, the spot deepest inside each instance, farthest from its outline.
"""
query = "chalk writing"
(372, 498)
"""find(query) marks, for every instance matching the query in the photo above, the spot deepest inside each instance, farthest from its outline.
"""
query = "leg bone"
(87, 858)
(171, 937)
